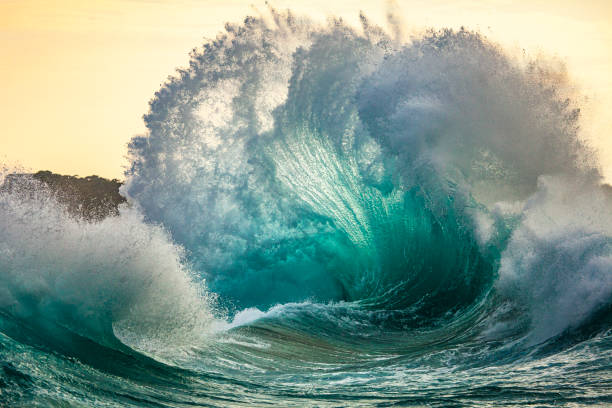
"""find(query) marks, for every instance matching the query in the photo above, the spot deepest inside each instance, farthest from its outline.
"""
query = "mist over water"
(324, 215)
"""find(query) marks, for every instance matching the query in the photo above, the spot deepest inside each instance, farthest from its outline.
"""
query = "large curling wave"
(302, 162)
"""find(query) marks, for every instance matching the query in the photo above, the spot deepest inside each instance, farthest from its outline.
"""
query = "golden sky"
(77, 74)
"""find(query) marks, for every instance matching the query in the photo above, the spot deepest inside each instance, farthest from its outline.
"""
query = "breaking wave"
(328, 198)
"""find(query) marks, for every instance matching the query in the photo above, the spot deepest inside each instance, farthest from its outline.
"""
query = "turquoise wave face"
(325, 216)
(320, 163)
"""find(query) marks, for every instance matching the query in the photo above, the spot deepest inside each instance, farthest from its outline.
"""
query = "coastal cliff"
(91, 198)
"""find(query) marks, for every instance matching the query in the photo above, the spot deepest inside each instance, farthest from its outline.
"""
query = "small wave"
(115, 278)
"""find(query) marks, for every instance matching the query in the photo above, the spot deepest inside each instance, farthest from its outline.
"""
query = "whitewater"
(325, 215)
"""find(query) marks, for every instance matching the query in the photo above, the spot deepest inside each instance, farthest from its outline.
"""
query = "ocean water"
(323, 215)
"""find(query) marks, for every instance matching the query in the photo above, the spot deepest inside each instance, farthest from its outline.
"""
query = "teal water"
(321, 216)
